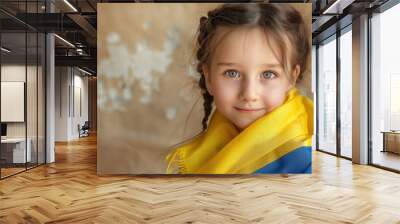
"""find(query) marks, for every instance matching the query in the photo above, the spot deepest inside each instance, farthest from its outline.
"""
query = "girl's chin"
(242, 126)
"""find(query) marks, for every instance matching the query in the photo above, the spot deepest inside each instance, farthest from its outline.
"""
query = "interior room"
(52, 104)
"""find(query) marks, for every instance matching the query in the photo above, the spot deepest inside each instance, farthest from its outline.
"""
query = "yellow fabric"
(223, 149)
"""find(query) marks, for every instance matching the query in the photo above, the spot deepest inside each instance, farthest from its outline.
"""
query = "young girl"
(249, 58)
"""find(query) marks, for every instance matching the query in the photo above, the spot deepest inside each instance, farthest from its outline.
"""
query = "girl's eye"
(268, 75)
(232, 74)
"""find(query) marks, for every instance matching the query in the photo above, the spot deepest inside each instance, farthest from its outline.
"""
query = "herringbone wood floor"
(69, 191)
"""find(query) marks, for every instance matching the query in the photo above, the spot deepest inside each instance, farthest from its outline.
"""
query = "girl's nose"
(248, 91)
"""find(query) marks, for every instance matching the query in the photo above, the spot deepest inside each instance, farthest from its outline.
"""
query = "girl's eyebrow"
(264, 64)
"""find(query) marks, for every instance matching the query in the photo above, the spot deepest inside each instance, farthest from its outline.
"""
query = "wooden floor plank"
(69, 191)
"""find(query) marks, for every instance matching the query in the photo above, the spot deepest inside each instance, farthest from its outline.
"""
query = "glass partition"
(14, 153)
(22, 77)
(327, 95)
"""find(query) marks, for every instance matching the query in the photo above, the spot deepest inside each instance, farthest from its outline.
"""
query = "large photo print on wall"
(204, 88)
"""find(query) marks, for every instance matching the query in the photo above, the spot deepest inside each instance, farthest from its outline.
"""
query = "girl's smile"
(245, 110)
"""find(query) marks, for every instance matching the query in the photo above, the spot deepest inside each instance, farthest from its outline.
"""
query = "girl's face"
(244, 75)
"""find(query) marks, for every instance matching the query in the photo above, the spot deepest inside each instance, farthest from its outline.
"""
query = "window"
(385, 88)
(327, 95)
(346, 93)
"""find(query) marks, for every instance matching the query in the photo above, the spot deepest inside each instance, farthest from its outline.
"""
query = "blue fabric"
(297, 161)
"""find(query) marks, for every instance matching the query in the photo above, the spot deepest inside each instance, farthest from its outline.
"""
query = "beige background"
(148, 99)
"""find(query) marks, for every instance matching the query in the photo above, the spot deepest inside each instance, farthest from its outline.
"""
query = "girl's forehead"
(246, 43)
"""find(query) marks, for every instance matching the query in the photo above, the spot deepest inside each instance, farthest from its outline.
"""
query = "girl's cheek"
(273, 99)
(279, 83)
(227, 87)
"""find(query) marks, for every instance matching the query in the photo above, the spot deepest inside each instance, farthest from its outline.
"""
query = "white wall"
(80, 109)
(62, 81)
(69, 82)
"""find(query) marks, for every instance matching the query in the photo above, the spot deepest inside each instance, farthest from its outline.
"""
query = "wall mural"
(148, 95)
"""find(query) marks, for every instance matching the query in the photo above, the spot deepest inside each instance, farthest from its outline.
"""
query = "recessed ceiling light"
(5, 49)
(337, 7)
(64, 40)
(70, 5)
(84, 71)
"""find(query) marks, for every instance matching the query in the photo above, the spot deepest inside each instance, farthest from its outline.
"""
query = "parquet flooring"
(10, 171)
(69, 191)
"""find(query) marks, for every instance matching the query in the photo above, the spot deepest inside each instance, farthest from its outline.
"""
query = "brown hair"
(283, 23)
